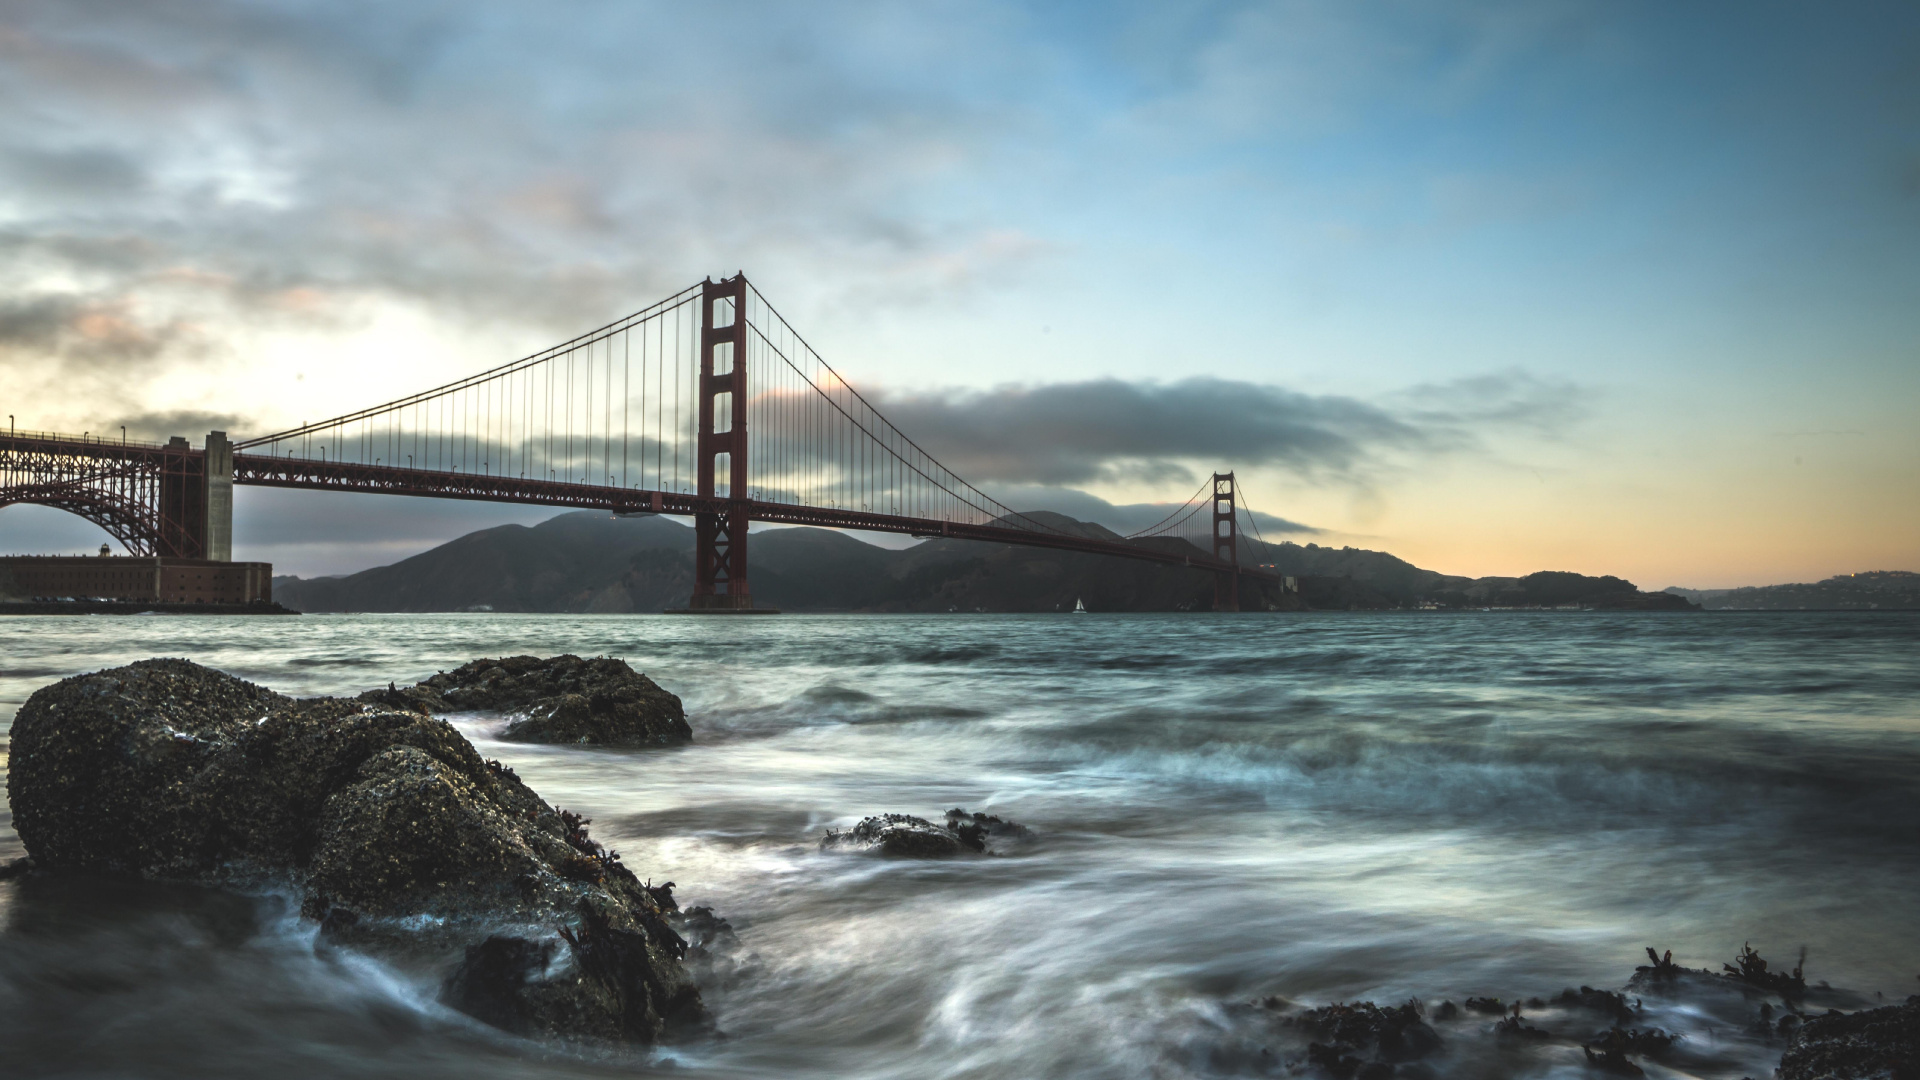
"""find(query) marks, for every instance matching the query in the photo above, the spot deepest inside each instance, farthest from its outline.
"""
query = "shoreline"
(135, 607)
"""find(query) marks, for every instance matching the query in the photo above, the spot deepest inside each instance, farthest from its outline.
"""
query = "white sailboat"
(1078, 607)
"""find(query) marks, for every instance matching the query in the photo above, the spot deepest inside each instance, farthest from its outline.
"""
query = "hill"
(1883, 590)
(587, 561)
(590, 562)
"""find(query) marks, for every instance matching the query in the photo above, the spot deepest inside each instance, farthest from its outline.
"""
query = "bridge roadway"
(122, 485)
(270, 471)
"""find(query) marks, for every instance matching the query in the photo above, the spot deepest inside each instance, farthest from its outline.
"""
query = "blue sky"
(1614, 287)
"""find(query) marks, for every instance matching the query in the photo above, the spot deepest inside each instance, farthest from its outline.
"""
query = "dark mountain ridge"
(587, 561)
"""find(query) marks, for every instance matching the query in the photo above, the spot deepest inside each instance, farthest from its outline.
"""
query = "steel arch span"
(152, 499)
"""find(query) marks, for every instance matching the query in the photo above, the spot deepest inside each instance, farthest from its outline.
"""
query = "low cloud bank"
(1110, 431)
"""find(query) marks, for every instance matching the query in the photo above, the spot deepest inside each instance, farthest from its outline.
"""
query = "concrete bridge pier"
(196, 500)
(217, 481)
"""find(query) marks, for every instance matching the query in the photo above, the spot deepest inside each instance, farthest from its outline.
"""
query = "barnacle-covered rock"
(563, 699)
(387, 822)
(903, 836)
(1876, 1044)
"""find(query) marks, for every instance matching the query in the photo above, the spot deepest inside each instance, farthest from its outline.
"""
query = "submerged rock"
(1607, 1003)
(565, 699)
(903, 836)
(1877, 1044)
(384, 821)
(1359, 1039)
(899, 836)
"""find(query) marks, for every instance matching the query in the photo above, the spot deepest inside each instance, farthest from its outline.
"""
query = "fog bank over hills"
(587, 561)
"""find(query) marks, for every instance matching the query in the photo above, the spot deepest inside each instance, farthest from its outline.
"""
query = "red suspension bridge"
(648, 414)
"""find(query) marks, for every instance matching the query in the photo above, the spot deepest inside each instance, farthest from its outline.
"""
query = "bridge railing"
(85, 438)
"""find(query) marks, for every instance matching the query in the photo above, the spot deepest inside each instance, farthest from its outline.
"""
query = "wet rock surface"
(903, 836)
(565, 699)
(1604, 1032)
(1877, 1044)
(387, 824)
(1362, 1039)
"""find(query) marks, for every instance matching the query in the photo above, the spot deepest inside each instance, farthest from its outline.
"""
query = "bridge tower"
(194, 511)
(720, 536)
(1226, 544)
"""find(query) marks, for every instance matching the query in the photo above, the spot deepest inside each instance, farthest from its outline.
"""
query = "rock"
(612, 987)
(903, 836)
(1877, 1044)
(1607, 1003)
(566, 699)
(975, 830)
(899, 836)
(391, 828)
(420, 699)
(1362, 1039)
(1609, 1049)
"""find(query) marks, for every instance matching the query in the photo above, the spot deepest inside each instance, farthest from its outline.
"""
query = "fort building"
(144, 578)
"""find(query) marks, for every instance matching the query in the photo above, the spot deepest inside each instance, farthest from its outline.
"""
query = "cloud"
(1111, 431)
(83, 332)
(491, 163)
(192, 424)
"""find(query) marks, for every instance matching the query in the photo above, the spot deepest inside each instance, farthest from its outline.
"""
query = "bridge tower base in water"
(1226, 544)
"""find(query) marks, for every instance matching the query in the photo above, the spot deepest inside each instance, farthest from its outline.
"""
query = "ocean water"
(1323, 808)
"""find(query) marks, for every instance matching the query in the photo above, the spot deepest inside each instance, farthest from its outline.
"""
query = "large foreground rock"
(1878, 1044)
(563, 699)
(385, 821)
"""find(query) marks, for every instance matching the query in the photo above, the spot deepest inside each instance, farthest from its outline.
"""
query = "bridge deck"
(289, 472)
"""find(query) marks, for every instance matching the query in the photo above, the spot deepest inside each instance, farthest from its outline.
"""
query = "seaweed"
(1752, 969)
(1514, 1027)
(662, 895)
(1663, 967)
(597, 861)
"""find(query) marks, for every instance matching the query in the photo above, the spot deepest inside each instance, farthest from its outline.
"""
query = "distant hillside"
(1356, 577)
(589, 562)
(1883, 590)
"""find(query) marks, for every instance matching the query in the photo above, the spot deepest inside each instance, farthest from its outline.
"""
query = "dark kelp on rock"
(1359, 1040)
(378, 818)
(561, 699)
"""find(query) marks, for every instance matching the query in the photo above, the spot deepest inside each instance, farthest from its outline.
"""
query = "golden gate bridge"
(706, 405)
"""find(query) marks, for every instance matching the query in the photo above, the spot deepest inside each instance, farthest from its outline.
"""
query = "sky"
(1615, 287)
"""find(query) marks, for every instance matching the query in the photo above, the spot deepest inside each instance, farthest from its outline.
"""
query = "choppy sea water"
(1320, 807)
